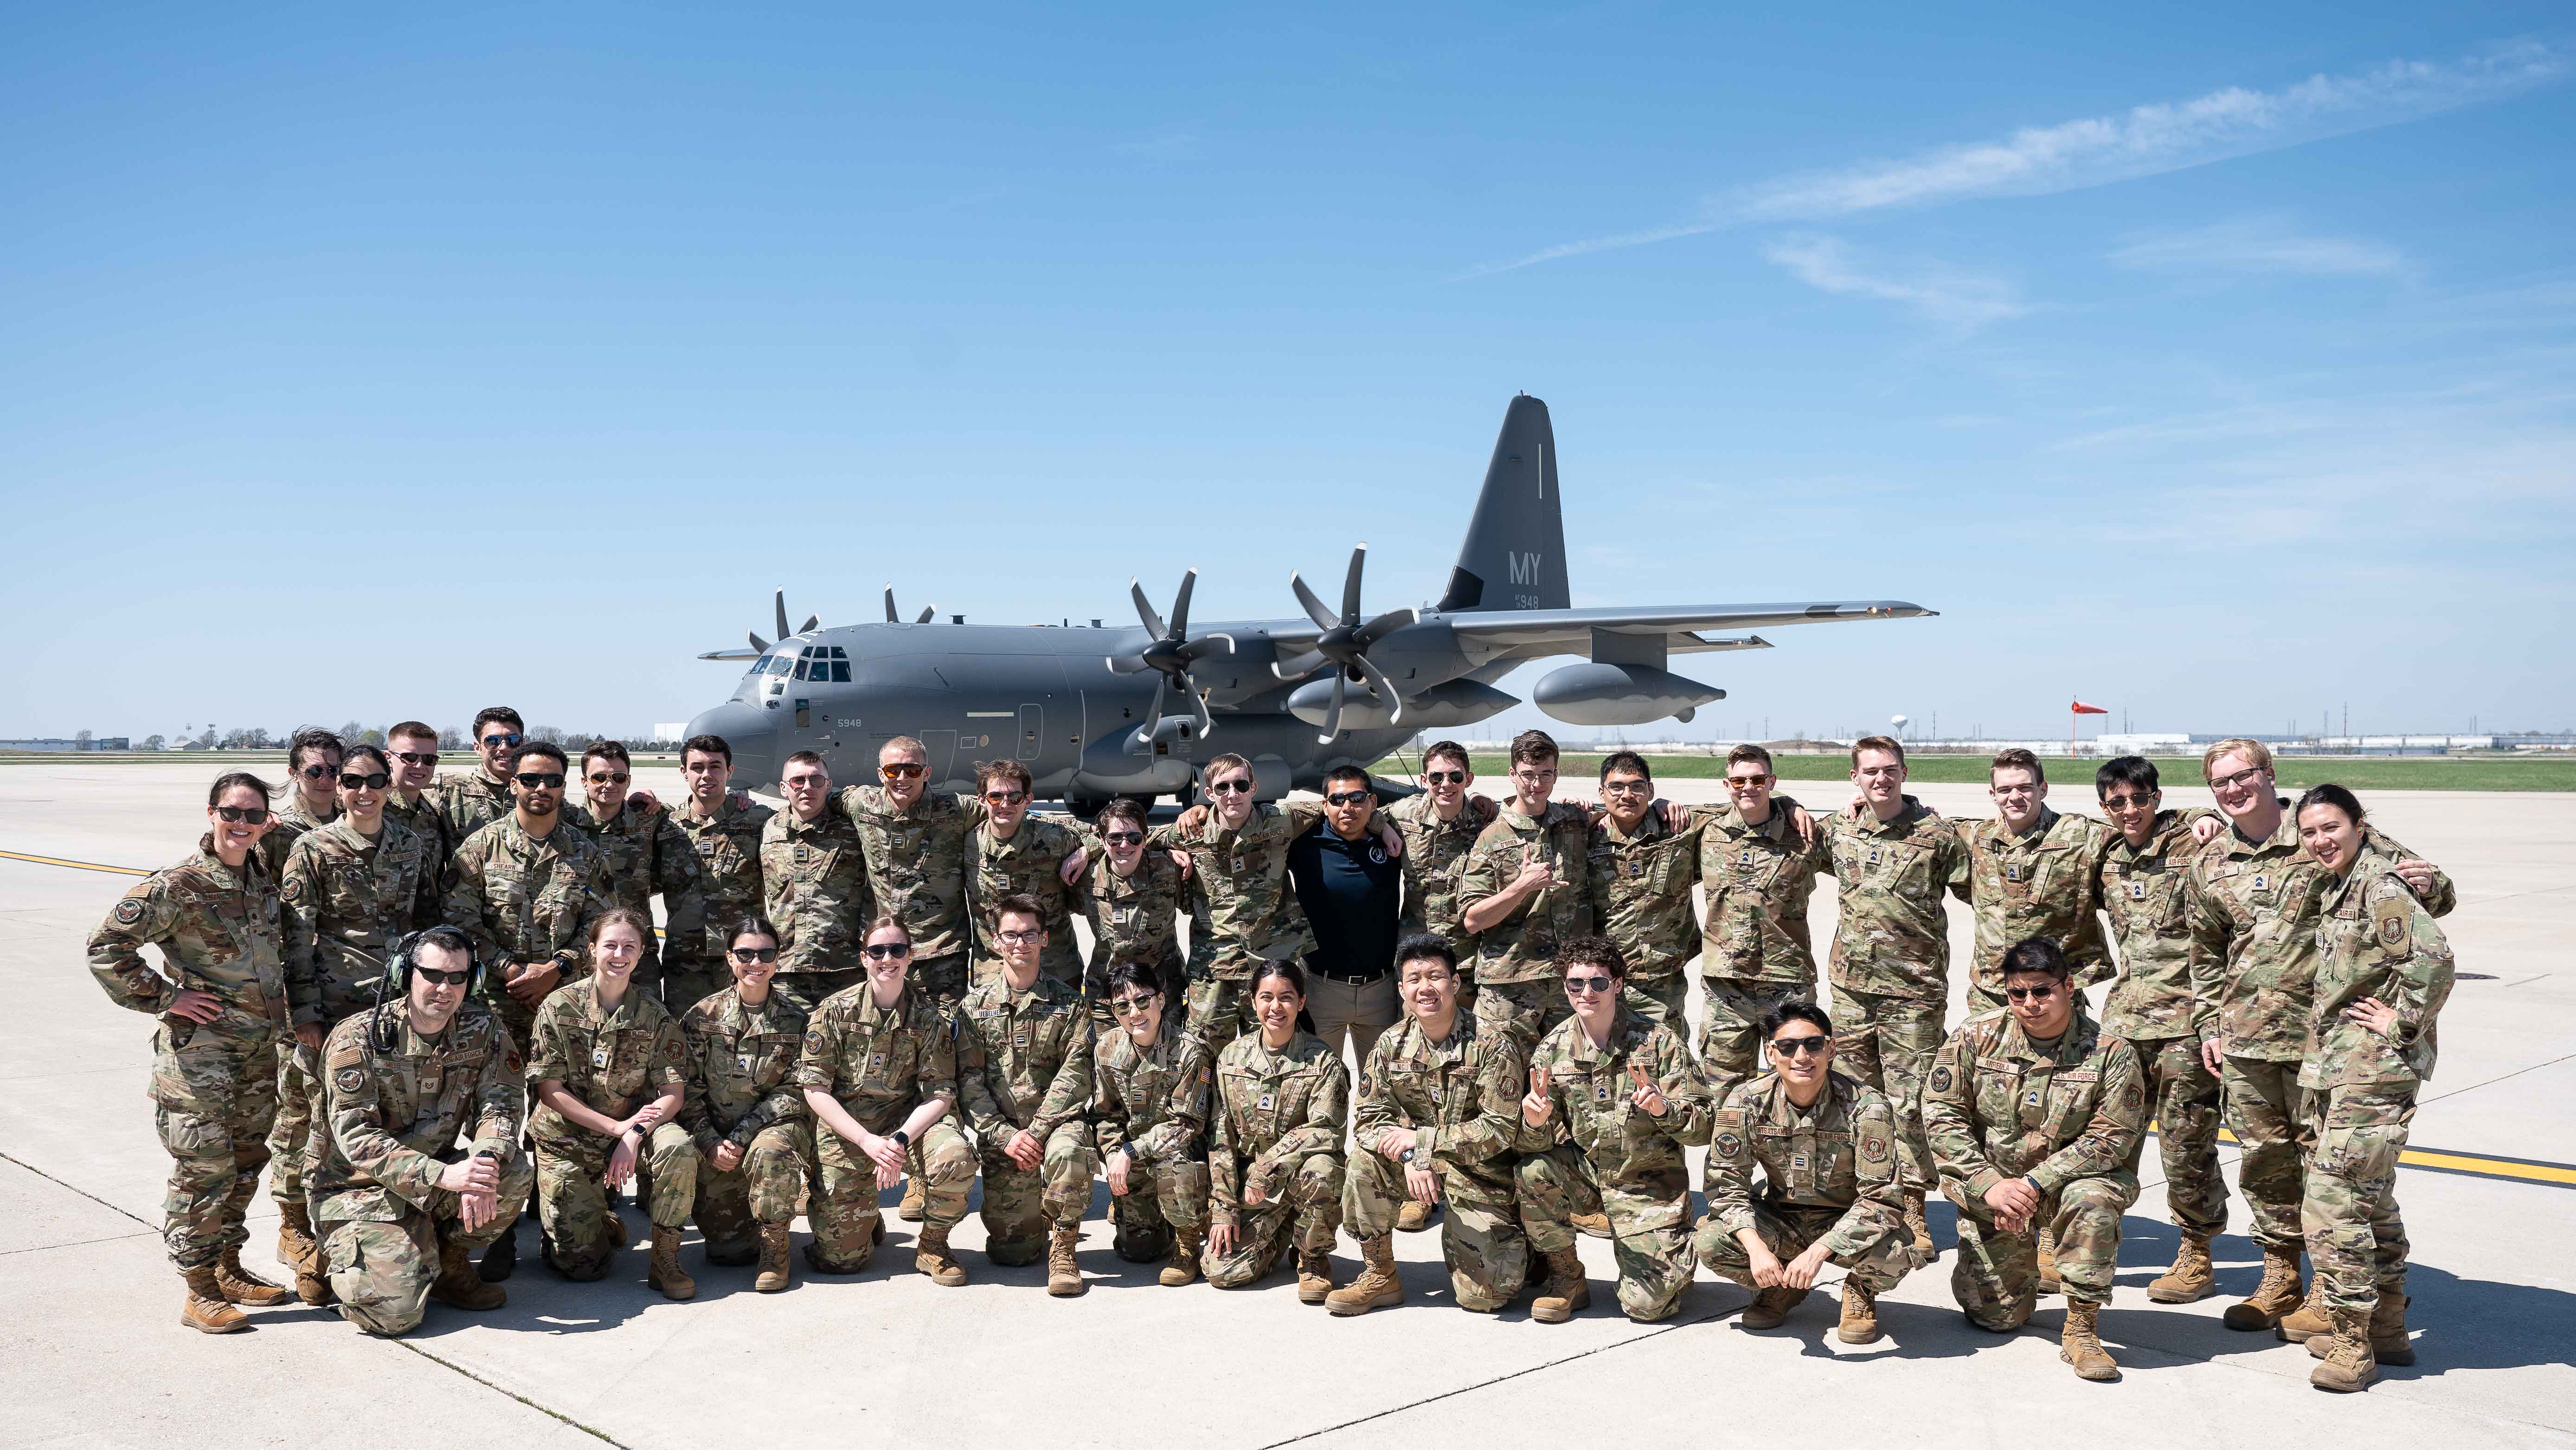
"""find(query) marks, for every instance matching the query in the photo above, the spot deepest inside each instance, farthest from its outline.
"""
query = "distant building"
(100, 742)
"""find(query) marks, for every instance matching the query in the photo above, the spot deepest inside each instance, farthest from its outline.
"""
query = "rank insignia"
(1268, 1100)
(599, 1058)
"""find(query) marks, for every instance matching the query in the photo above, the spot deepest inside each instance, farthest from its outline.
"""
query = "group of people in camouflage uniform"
(879, 986)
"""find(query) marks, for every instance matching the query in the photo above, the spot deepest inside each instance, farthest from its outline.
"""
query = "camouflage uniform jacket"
(1023, 1058)
(1243, 910)
(1892, 937)
(916, 862)
(1997, 1107)
(467, 802)
(219, 931)
(1435, 855)
(727, 845)
(423, 818)
(2254, 907)
(527, 898)
(1839, 1152)
(818, 890)
(1273, 1110)
(347, 901)
(1522, 947)
(610, 1061)
(1136, 1103)
(1636, 1159)
(294, 821)
(1758, 880)
(742, 1068)
(390, 1119)
(1028, 863)
(649, 855)
(1461, 1096)
(2163, 990)
(879, 1062)
(2376, 940)
(1136, 917)
(2043, 882)
(1641, 893)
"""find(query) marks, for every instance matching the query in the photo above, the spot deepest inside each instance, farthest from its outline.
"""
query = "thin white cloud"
(2096, 151)
(2258, 244)
(1947, 295)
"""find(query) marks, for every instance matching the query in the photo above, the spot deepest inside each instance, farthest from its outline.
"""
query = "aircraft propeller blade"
(1128, 664)
(811, 621)
(890, 614)
(1387, 623)
(1304, 664)
(1162, 689)
(783, 630)
(1181, 605)
(1333, 716)
(1315, 610)
(928, 613)
(758, 643)
(1205, 645)
(1351, 585)
(1145, 614)
(1384, 689)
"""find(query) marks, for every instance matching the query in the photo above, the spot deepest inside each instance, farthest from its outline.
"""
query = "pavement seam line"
(83, 1192)
(594, 1432)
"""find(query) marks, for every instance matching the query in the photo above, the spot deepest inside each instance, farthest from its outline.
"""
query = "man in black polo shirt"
(1351, 888)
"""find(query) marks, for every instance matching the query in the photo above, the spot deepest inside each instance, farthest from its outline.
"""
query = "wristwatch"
(1404, 1157)
(901, 1138)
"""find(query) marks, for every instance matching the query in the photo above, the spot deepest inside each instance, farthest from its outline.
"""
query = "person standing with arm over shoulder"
(1523, 892)
(1758, 860)
(221, 998)
(815, 871)
(467, 801)
(744, 1112)
(312, 796)
(1440, 827)
(1639, 869)
(411, 748)
(1132, 899)
(2032, 872)
(1011, 853)
(1351, 890)
(1243, 907)
(648, 855)
(723, 832)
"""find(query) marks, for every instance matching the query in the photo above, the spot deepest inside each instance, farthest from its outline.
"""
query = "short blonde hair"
(904, 745)
(2253, 750)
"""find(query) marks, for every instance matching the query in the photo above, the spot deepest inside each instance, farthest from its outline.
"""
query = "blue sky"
(2210, 362)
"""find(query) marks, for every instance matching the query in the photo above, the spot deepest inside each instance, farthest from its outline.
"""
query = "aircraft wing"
(1572, 629)
(738, 652)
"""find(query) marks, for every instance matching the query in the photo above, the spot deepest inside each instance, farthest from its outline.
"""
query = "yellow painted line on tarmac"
(75, 865)
(2476, 1165)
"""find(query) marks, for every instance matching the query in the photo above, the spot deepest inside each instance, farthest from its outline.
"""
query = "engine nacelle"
(1604, 693)
(1361, 709)
(1442, 707)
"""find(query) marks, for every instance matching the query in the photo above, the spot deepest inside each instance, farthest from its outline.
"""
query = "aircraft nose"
(753, 739)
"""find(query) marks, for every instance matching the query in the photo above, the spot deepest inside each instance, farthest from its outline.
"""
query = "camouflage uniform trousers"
(1021, 1205)
(685, 987)
(843, 1214)
(215, 1100)
(2259, 1101)
(1888, 1043)
(1876, 1257)
(1218, 1010)
(298, 1085)
(381, 1272)
(1480, 1232)
(1159, 1199)
(1996, 1276)
(762, 1188)
(808, 989)
(1655, 1263)
(2184, 1094)
(1730, 1032)
(1661, 1000)
(582, 1235)
(942, 978)
(2356, 1240)
(1308, 1210)
(1523, 1010)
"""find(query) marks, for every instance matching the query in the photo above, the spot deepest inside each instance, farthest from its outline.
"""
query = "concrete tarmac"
(91, 1353)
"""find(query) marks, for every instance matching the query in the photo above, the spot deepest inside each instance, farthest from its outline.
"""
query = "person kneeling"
(742, 1109)
(1826, 1147)
(1282, 1100)
(610, 1070)
(401, 1211)
(1152, 1134)
(1024, 1068)
(2035, 1115)
(1437, 1118)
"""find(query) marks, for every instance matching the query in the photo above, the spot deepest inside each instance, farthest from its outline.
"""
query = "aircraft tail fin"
(1514, 557)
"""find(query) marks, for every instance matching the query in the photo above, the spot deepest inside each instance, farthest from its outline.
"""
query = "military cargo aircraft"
(1098, 712)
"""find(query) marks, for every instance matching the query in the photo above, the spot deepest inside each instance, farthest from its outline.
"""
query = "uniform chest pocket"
(2070, 1101)
(617, 1063)
(1668, 873)
(1998, 1092)
(1905, 870)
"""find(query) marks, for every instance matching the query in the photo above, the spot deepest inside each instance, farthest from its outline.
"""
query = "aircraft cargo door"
(1032, 732)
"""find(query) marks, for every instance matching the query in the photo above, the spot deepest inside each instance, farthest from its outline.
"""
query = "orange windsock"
(2080, 708)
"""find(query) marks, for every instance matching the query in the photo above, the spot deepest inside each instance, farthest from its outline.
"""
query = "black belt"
(1348, 979)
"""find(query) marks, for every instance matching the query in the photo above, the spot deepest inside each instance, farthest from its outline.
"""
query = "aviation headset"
(395, 984)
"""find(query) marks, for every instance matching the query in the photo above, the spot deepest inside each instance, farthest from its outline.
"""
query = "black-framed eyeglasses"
(417, 757)
(1800, 1046)
(1349, 797)
(1224, 786)
(1022, 938)
(317, 772)
(886, 951)
(1445, 777)
(377, 781)
(1589, 984)
(247, 815)
(751, 956)
(2031, 994)
(1628, 787)
(504, 742)
(1125, 838)
(540, 779)
(2244, 777)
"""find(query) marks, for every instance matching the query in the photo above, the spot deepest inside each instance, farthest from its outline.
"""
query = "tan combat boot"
(241, 1286)
(297, 1249)
(2192, 1276)
(1184, 1265)
(206, 1309)
(930, 1255)
(1770, 1307)
(915, 1201)
(2348, 1364)
(774, 1273)
(1920, 1228)
(2080, 1343)
(1414, 1217)
(1064, 1275)
(1590, 1225)
(1314, 1276)
(2276, 1298)
(459, 1286)
(1376, 1287)
(2309, 1326)
(1565, 1293)
(666, 1274)
(2388, 1341)
(1860, 1314)
(2049, 1283)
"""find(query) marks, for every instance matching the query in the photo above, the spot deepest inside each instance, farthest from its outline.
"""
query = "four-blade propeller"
(1171, 651)
(811, 621)
(928, 611)
(1345, 644)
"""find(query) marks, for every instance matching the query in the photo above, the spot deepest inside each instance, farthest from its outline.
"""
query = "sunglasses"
(1746, 782)
(1349, 797)
(602, 777)
(417, 757)
(1005, 797)
(2030, 994)
(437, 978)
(886, 951)
(317, 772)
(540, 779)
(252, 815)
(1224, 786)
(751, 955)
(1125, 838)
(902, 770)
(1588, 984)
(1131, 1006)
(1445, 777)
(377, 781)
(2128, 802)
(500, 742)
(1800, 1046)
